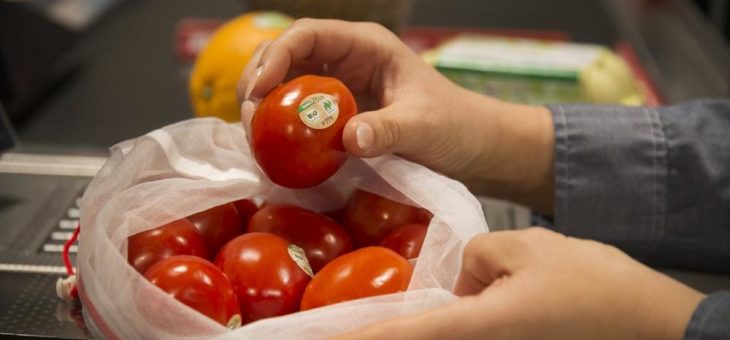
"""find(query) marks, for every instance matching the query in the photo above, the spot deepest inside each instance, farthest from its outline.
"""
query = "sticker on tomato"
(318, 110)
(297, 255)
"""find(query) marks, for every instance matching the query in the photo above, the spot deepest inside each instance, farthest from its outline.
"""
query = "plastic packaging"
(537, 71)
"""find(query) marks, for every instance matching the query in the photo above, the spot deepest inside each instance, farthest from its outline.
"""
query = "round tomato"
(296, 132)
(175, 238)
(266, 279)
(369, 217)
(406, 240)
(218, 225)
(200, 285)
(246, 208)
(321, 238)
(362, 273)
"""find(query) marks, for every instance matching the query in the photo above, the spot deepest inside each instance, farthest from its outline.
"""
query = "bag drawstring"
(66, 287)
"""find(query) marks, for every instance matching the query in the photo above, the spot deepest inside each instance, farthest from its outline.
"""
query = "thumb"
(374, 133)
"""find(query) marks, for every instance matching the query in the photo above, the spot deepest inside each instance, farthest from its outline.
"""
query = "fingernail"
(252, 69)
(256, 57)
(364, 136)
(247, 107)
(247, 111)
(252, 83)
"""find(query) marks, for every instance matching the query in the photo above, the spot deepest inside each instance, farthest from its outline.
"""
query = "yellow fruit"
(609, 80)
(217, 69)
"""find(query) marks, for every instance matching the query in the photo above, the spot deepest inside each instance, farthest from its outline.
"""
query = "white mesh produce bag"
(197, 164)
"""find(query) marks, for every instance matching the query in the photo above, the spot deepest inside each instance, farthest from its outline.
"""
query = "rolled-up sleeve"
(711, 319)
(654, 182)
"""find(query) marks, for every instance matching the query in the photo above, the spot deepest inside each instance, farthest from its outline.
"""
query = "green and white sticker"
(297, 254)
(319, 110)
(271, 20)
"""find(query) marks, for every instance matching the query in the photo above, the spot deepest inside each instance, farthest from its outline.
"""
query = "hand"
(410, 109)
(537, 284)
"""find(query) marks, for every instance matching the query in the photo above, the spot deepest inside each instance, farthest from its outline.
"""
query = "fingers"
(491, 256)
(319, 42)
(457, 320)
(246, 83)
(250, 73)
(489, 260)
(248, 108)
(374, 133)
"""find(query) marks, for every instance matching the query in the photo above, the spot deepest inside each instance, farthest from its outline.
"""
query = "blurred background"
(95, 72)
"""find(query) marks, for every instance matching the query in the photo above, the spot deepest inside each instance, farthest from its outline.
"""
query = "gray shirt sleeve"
(653, 182)
(711, 319)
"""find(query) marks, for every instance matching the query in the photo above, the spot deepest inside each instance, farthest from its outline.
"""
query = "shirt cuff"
(610, 175)
(711, 319)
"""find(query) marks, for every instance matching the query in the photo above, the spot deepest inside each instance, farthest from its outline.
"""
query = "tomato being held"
(369, 217)
(406, 240)
(218, 225)
(175, 238)
(267, 281)
(296, 132)
(200, 285)
(321, 238)
(362, 273)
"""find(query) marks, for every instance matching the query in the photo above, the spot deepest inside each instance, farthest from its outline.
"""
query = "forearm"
(516, 159)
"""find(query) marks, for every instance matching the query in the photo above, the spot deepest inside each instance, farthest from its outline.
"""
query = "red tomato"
(218, 225)
(369, 217)
(200, 285)
(321, 238)
(295, 135)
(406, 240)
(362, 273)
(246, 208)
(175, 238)
(337, 215)
(425, 216)
(267, 281)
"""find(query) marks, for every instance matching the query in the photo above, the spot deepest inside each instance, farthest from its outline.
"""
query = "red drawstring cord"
(67, 247)
(66, 287)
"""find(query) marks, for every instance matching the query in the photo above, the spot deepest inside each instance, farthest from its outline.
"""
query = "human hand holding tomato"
(321, 238)
(296, 132)
(198, 284)
(267, 281)
(538, 284)
(178, 237)
(502, 150)
(410, 108)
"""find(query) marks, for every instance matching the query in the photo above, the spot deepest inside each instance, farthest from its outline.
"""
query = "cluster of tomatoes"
(238, 263)
(281, 258)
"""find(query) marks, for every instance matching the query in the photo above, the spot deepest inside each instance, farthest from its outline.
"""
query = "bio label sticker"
(297, 254)
(319, 110)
